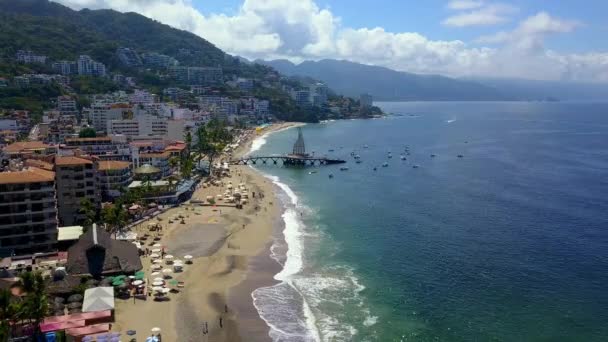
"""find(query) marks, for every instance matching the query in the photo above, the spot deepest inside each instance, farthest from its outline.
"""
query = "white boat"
(384, 164)
(403, 158)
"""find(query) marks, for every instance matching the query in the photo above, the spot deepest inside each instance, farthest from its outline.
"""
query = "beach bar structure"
(298, 157)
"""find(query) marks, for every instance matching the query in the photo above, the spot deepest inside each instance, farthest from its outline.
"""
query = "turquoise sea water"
(507, 243)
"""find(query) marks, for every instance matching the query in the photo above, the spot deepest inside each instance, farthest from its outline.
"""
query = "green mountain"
(61, 33)
(54, 30)
(353, 79)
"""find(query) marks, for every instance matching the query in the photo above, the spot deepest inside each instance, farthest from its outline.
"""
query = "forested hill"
(62, 33)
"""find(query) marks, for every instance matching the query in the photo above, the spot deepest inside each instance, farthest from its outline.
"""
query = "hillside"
(353, 79)
(62, 33)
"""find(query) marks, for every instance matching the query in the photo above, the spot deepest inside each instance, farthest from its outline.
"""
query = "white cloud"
(299, 30)
(464, 4)
(481, 15)
(530, 33)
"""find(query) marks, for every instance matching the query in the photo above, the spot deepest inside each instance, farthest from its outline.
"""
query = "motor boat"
(384, 164)
(460, 156)
(358, 161)
(433, 156)
(403, 158)
(415, 166)
(344, 168)
(331, 175)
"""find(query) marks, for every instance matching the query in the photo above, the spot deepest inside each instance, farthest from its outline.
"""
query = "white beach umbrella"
(158, 279)
(157, 245)
(165, 290)
(157, 288)
(156, 267)
(188, 257)
(157, 283)
(177, 262)
(157, 261)
(168, 256)
(137, 282)
(154, 274)
(154, 255)
(156, 250)
(155, 330)
(167, 271)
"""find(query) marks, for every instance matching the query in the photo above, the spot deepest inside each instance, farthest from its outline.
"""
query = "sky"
(533, 39)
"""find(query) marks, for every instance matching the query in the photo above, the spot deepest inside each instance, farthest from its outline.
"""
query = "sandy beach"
(231, 258)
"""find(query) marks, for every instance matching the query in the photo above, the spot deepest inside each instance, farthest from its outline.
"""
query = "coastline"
(232, 258)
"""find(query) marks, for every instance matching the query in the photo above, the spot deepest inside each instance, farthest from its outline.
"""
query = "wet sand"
(231, 258)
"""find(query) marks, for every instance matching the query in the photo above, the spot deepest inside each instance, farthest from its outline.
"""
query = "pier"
(299, 157)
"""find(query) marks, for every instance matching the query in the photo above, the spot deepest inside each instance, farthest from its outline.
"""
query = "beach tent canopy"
(98, 299)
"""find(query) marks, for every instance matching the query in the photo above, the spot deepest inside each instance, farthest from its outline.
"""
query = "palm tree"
(173, 162)
(9, 309)
(88, 209)
(35, 303)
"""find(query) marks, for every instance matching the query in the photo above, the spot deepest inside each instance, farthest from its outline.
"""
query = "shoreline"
(232, 258)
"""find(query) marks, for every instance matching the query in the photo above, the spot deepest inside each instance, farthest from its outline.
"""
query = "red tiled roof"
(22, 146)
(30, 175)
(113, 165)
(63, 161)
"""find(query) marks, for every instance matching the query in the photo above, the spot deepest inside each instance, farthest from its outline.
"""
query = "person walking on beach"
(226, 306)
(221, 325)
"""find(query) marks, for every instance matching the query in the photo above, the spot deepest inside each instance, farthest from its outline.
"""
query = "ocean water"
(507, 243)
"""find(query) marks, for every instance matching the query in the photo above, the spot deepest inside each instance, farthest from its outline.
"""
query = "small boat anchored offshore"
(331, 175)
(344, 168)
(385, 164)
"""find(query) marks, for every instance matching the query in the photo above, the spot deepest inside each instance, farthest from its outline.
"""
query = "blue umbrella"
(131, 332)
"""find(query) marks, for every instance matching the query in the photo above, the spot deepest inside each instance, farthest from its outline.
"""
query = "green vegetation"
(34, 99)
(88, 132)
(27, 310)
(60, 33)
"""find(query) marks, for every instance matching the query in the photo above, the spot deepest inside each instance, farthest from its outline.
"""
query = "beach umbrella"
(152, 339)
(157, 279)
(140, 275)
(74, 305)
(154, 274)
(157, 245)
(157, 261)
(131, 332)
(156, 250)
(188, 257)
(122, 276)
(157, 288)
(155, 330)
(154, 256)
(169, 256)
(173, 282)
(137, 282)
(118, 283)
(157, 283)
(165, 290)
(131, 277)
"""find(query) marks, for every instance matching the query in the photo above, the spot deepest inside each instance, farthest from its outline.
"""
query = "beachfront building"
(114, 176)
(97, 254)
(77, 181)
(26, 149)
(28, 211)
(158, 160)
(104, 148)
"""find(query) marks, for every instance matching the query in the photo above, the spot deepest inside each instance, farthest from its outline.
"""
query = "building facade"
(114, 176)
(76, 179)
(28, 211)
